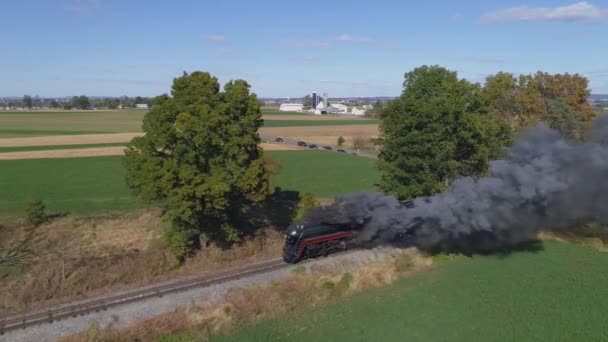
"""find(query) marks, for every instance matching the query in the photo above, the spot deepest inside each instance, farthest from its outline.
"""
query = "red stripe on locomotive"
(323, 238)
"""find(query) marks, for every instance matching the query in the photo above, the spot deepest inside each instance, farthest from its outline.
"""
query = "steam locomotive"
(308, 241)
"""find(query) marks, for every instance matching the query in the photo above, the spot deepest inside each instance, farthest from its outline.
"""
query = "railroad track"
(84, 307)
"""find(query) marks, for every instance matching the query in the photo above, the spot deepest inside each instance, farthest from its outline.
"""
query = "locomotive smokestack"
(545, 182)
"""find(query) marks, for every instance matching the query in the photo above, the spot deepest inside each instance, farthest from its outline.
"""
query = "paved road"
(288, 141)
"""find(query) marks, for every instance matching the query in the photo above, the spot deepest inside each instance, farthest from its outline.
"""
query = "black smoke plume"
(545, 182)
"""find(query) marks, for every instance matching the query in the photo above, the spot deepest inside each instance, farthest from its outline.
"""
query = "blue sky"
(290, 48)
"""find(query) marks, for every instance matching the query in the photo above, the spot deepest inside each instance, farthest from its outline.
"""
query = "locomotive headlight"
(293, 232)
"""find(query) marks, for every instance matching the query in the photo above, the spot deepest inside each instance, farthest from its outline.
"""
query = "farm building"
(291, 107)
(358, 111)
(141, 106)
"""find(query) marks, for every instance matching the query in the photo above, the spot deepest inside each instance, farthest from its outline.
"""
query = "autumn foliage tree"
(523, 101)
(200, 158)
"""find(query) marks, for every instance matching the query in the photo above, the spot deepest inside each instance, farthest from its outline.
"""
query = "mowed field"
(27, 124)
(554, 294)
(97, 184)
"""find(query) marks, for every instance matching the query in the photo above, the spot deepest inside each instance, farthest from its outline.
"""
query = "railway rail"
(57, 313)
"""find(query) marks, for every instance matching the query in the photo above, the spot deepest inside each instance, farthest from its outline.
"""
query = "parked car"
(279, 139)
(340, 150)
(327, 148)
(301, 143)
(312, 146)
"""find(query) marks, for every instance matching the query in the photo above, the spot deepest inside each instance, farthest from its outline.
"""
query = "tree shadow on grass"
(275, 213)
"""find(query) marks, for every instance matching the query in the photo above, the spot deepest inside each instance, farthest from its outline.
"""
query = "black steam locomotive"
(307, 241)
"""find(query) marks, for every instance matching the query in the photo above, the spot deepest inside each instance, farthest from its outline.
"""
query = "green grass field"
(557, 294)
(26, 124)
(96, 184)
(55, 147)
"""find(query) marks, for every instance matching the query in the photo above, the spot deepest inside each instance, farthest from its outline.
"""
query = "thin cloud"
(580, 11)
(216, 38)
(84, 7)
(352, 39)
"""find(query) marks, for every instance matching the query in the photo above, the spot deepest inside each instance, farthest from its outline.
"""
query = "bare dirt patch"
(81, 139)
(66, 153)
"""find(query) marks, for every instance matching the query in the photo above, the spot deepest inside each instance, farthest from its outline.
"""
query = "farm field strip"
(55, 147)
(308, 123)
(85, 139)
(100, 151)
(28, 124)
(97, 184)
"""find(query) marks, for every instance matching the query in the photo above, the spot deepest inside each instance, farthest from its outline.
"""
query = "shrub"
(306, 202)
(341, 141)
(181, 242)
(36, 213)
(272, 165)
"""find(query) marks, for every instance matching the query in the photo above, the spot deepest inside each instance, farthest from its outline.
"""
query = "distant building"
(291, 107)
(339, 108)
(141, 106)
(358, 111)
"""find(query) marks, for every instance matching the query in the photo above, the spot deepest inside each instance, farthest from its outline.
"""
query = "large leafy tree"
(200, 157)
(436, 131)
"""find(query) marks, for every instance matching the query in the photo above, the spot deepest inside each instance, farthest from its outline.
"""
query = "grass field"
(24, 124)
(96, 184)
(55, 147)
(19, 124)
(557, 294)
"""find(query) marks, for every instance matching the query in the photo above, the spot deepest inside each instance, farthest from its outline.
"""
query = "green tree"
(436, 131)
(80, 102)
(340, 141)
(563, 118)
(307, 102)
(27, 101)
(306, 202)
(200, 157)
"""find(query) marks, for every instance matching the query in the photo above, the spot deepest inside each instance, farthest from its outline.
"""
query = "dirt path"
(99, 152)
(81, 139)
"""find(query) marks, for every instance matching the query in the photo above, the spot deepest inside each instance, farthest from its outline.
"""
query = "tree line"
(443, 127)
(81, 102)
(200, 158)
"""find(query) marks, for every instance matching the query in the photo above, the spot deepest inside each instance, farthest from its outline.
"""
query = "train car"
(307, 241)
